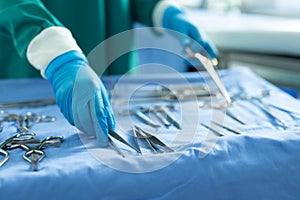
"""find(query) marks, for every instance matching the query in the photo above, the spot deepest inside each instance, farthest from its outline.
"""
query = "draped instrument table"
(263, 163)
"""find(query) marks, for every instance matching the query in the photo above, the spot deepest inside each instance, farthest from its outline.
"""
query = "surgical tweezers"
(153, 140)
(120, 139)
(140, 135)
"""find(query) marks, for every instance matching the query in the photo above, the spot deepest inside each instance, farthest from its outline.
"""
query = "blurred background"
(261, 35)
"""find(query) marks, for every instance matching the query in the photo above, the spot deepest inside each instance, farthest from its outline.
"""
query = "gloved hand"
(80, 95)
(175, 19)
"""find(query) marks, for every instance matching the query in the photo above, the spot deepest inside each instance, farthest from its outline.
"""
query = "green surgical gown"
(90, 21)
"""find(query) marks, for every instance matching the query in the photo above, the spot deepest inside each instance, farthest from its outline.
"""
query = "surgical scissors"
(12, 141)
(34, 154)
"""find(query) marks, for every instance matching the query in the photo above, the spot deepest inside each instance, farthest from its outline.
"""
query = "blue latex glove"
(175, 19)
(80, 95)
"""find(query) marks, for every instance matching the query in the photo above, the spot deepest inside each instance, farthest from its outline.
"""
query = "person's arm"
(22, 20)
(50, 47)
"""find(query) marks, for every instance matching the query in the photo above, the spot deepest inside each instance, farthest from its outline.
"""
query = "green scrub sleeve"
(142, 10)
(22, 20)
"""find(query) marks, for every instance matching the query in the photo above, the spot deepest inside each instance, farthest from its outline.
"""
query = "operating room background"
(261, 35)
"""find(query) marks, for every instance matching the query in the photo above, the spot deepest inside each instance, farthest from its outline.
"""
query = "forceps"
(15, 140)
(120, 139)
(34, 154)
(208, 65)
(151, 140)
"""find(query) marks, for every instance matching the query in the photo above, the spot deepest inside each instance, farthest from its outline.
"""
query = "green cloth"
(90, 22)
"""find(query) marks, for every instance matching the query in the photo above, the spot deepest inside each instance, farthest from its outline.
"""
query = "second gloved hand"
(175, 19)
(80, 95)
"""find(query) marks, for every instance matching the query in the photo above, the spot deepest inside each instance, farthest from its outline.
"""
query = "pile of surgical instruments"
(26, 139)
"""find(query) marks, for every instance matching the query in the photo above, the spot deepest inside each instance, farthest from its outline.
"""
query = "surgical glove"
(175, 19)
(80, 95)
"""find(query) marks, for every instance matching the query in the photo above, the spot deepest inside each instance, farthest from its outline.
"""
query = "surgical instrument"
(235, 117)
(229, 128)
(145, 118)
(160, 117)
(257, 100)
(214, 129)
(140, 135)
(34, 154)
(120, 139)
(16, 139)
(208, 65)
(33, 118)
(224, 108)
(110, 141)
(135, 138)
(139, 113)
(170, 94)
(170, 116)
(24, 121)
(154, 139)
(31, 103)
(271, 113)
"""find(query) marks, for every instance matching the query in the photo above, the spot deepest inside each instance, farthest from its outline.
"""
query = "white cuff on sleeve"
(49, 44)
(159, 10)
